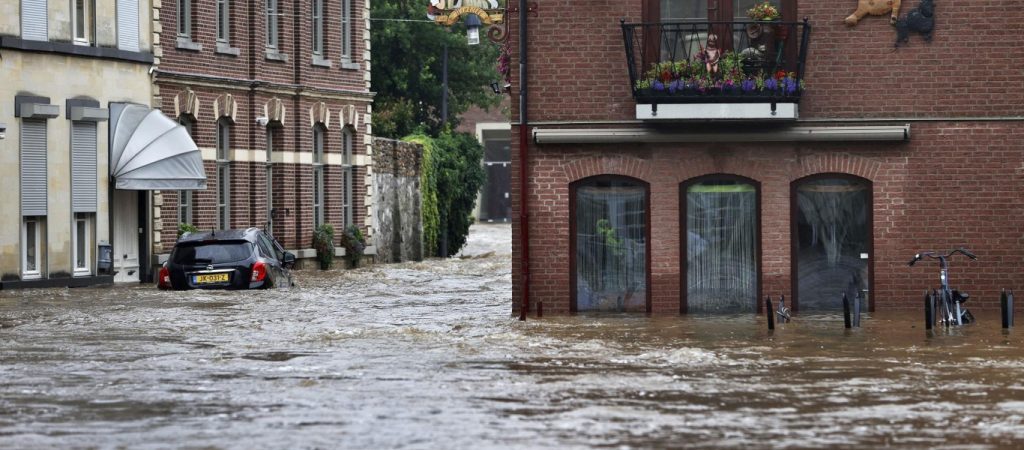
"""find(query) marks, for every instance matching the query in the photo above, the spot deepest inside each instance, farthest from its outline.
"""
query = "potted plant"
(355, 243)
(323, 242)
(765, 12)
(186, 228)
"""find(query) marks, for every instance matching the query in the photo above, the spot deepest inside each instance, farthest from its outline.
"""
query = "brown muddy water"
(427, 356)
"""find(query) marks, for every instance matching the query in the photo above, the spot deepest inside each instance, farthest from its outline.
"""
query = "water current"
(426, 355)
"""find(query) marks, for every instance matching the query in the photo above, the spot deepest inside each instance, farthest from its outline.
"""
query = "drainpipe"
(524, 221)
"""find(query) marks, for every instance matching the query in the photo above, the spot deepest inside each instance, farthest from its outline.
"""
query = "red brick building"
(652, 190)
(276, 95)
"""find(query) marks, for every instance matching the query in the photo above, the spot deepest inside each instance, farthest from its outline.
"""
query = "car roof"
(248, 234)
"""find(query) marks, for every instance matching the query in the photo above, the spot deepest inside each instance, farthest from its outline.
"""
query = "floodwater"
(426, 355)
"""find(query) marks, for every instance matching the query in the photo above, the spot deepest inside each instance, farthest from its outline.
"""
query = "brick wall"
(957, 182)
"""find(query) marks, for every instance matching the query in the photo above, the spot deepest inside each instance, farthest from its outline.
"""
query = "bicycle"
(950, 300)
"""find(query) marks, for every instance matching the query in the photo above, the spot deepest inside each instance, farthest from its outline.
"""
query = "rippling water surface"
(425, 355)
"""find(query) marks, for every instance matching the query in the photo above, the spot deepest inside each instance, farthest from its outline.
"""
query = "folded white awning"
(149, 151)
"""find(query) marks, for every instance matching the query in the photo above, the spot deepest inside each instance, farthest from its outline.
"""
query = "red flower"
(666, 76)
(780, 75)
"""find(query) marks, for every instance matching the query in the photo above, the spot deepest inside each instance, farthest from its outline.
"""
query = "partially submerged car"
(227, 259)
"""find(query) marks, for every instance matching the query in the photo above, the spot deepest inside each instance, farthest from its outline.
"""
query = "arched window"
(348, 174)
(832, 240)
(720, 244)
(185, 197)
(610, 245)
(274, 132)
(319, 133)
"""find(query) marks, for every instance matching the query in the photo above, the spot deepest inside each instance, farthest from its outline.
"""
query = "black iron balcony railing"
(716, 62)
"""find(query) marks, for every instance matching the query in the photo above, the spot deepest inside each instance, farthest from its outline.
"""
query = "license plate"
(210, 278)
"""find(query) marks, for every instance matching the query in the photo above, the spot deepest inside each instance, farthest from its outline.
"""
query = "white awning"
(149, 151)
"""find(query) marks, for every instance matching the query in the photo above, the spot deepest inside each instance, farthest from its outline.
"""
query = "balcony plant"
(323, 242)
(734, 78)
(764, 12)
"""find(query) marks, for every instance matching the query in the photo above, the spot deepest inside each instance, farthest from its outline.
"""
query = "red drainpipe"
(524, 216)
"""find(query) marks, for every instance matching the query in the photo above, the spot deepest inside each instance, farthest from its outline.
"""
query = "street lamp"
(473, 25)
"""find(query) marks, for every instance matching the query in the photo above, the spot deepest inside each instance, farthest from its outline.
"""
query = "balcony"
(757, 76)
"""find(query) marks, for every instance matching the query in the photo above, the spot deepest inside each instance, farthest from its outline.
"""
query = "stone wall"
(396, 193)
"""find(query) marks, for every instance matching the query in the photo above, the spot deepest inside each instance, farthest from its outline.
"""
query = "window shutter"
(83, 166)
(33, 20)
(33, 167)
(127, 25)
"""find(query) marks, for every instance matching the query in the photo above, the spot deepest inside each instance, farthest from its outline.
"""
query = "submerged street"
(427, 355)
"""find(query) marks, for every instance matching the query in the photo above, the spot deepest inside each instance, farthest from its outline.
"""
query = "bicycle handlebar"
(933, 255)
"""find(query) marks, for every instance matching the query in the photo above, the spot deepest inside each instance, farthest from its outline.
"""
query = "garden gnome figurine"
(713, 54)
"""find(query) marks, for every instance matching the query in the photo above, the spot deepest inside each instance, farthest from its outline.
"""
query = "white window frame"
(348, 174)
(223, 174)
(318, 174)
(185, 19)
(223, 21)
(269, 169)
(37, 224)
(272, 24)
(185, 207)
(88, 27)
(318, 27)
(346, 31)
(84, 220)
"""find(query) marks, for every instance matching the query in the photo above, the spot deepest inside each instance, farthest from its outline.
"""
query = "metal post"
(929, 310)
(770, 311)
(1003, 303)
(540, 309)
(1009, 306)
(856, 309)
(846, 311)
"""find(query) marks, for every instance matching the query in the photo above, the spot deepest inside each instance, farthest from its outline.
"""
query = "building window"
(83, 21)
(223, 173)
(318, 175)
(185, 19)
(346, 30)
(347, 174)
(269, 168)
(81, 243)
(128, 25)
(84, 173)
(272, 13)
(32, 229)
(720, 245)
(609, 260)
(185, 197)
(223, 21)
(318, 27)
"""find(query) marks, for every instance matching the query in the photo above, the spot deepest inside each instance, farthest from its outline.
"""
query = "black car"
(227, 259)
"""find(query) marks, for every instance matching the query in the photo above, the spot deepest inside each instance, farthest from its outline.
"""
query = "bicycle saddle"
(960, 297)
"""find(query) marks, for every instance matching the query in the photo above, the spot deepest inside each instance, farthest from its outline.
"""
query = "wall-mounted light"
(495, 87)
(473, 25)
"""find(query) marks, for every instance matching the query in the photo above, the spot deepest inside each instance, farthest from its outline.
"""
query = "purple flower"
(789, 85)
(771, 85)
(674, 86)
(748, 85)
(658, 85)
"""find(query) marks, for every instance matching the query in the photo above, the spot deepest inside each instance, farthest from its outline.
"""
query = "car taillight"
(259, 271)
(165, 278)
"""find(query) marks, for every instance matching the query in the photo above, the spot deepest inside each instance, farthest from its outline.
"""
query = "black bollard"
(856, 310)
(846, 311)
(1002, 309)
(1009, 306)
(929, 311)
(540, 309)
(770, 311)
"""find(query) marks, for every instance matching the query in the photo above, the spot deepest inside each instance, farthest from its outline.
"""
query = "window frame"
(185, 198)
(348, 174)
(85, 220)
(185, 19)
(223, 16)
(223, 200)
(88, 26)
(572, 232)
(684, 237)
(272, 28)
(319, 133)
(317, 29)
(38, 227)
(347, 37)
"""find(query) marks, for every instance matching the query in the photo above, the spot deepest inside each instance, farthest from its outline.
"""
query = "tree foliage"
(451, 178)
(407, 70)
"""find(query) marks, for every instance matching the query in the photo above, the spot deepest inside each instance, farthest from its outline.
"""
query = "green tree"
(407, 72)
(451, 178)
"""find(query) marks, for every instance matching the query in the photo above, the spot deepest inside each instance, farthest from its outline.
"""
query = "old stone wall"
(397, 196)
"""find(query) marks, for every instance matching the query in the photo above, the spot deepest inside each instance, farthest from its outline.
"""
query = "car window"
(278, 250)
(211, 252)
(264, 249)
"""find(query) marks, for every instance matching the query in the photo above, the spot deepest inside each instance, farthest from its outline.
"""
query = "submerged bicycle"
(949, 301)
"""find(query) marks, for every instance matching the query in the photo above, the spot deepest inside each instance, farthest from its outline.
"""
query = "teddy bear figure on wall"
(875, 8)
(920, 20)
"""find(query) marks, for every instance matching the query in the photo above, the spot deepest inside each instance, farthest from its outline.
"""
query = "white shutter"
(33, 167)
(33, 20)
(128, 25)
(83, 166)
